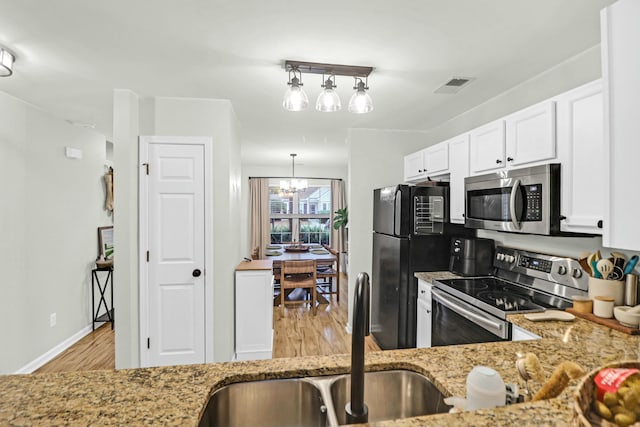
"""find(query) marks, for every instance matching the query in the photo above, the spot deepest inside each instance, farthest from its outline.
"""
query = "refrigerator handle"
(397, 211)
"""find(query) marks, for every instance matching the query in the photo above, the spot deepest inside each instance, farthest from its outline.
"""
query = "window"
(304, 216)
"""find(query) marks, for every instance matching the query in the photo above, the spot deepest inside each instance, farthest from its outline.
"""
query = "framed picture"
(105, 242)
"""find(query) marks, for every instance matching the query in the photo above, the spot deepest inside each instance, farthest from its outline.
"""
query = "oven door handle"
(512, 204)
(497, 328)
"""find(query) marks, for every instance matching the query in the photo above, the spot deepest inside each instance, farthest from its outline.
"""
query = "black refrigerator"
(411, 232)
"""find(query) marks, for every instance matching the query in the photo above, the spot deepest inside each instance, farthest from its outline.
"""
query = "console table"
(102, 290)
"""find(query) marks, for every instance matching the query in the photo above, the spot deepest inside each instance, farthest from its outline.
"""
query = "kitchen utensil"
(605, 268)
(603, 307)
(550, 315)
(593, 272)
(584, 263)
(631, 290)
(618, 265)
(594, 267)
(631, 264)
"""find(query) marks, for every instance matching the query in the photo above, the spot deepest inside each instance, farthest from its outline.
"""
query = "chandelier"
(293, 185)
(295, 99)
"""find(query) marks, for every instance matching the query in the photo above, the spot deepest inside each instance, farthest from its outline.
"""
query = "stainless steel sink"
(320, 401)
(390, 395)
(278, 403)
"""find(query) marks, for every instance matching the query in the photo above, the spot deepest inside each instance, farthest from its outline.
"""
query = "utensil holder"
(607, 288)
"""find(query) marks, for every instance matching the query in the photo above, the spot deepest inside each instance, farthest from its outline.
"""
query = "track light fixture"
(7, 59)
(294, 98)
(328, 100)
(360, 101)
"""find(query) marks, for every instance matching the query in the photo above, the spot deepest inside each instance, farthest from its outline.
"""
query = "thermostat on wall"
(73, 153)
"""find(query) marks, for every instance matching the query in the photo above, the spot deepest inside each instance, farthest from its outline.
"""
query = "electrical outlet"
(52, 320)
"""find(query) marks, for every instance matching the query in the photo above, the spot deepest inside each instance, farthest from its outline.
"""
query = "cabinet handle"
(196, 273)
(562, 217)
(600, 224)
(509, 159)
(498, 161)
(420, 170)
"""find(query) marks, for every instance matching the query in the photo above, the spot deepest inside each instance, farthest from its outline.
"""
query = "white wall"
(186, 117)
(375, 157)
(51, 208)
(125, 229)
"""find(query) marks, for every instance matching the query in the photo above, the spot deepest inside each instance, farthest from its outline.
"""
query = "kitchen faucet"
(357, 411)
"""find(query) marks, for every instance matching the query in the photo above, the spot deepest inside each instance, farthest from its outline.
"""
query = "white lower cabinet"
(423, 324)
(254, 314)
(581, 152)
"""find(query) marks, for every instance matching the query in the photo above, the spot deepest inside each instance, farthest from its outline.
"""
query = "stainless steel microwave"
(523, 200)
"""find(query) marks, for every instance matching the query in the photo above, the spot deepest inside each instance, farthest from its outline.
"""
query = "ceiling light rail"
(295, 99)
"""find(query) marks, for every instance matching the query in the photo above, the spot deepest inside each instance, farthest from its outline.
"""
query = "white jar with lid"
(485, 388)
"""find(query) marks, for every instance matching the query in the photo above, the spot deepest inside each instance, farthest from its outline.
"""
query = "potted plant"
(340, 218)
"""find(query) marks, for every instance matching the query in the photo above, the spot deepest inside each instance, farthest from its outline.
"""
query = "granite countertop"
(177, 395)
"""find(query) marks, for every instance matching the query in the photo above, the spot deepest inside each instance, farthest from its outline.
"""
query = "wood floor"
(95, 351)
(297, 333)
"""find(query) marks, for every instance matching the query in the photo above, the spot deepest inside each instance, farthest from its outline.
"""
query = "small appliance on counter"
(471, 256)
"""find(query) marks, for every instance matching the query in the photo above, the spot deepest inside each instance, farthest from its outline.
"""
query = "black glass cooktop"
(498, 294)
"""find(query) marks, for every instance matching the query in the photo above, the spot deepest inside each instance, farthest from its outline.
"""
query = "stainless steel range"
(473, 310)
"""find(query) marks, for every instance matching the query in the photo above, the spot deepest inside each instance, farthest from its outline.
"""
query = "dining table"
(279, 253)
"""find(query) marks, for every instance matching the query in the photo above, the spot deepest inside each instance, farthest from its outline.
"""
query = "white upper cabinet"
(414, 167)
(436, 159)
(621, 72)
(581, 153)
(459, 170)
(429, 162)
(531, 134)
(486, 148)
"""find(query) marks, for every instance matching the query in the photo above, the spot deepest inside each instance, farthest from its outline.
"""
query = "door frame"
(144, 142)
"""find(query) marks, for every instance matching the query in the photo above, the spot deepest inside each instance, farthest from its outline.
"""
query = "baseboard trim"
(55, 351)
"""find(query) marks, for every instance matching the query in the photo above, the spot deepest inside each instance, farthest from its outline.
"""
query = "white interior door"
(174, 301)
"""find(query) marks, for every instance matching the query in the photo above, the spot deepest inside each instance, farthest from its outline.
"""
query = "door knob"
(196, 273)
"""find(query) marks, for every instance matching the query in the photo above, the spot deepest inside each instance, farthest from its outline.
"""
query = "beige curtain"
(259, 236)
(337, 202)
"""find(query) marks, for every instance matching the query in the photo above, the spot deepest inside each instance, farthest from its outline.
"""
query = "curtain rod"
(294, 177)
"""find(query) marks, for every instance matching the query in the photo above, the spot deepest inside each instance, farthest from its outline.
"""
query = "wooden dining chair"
(298, 274)
(331, 273)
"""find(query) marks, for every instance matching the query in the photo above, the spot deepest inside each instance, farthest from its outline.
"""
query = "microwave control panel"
(534, 202)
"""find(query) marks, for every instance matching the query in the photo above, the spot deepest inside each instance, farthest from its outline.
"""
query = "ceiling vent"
(454, 85)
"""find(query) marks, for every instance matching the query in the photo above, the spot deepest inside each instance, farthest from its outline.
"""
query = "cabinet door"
(254, 314)
(486, 148)
(436, 159)
(423, 324)
(620, 71)
(459, 170)
(581, 150)
(531, 134)
(414, 167)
